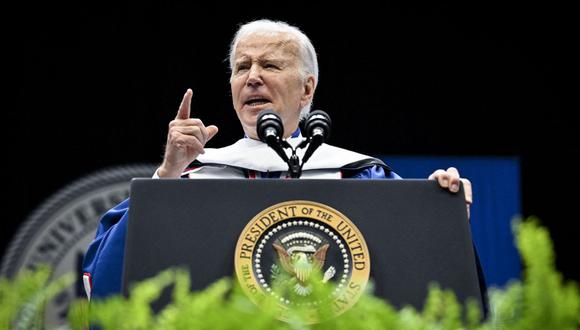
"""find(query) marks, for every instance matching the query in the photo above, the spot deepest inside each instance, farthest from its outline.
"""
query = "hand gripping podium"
(406, 233)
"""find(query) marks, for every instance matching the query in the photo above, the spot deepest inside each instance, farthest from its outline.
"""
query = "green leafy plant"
(541, 301)
(22, 299)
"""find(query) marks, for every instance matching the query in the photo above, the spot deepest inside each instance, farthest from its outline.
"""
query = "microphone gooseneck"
(317, 130)
(271, 130)
(315, 126)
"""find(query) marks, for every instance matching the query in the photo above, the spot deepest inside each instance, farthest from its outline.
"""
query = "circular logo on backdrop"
(295, 243)
(59, 231)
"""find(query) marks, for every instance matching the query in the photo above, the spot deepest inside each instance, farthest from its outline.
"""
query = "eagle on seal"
(301, 261)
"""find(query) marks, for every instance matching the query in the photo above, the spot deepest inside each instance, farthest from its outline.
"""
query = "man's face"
(266, 75)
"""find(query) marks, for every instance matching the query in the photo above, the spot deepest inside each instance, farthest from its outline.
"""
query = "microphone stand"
(270, 129)
(294, 165)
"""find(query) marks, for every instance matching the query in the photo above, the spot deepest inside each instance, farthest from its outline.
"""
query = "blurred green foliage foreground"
(540, 301)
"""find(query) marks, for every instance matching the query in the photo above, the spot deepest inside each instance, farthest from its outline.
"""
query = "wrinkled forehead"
(267, 46)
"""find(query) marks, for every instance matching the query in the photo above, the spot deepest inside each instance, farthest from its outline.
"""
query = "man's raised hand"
(186, 139)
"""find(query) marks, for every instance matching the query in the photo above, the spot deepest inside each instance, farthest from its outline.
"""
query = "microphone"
(317, 125)
(270, 130)
(269, 126)
(317, 130)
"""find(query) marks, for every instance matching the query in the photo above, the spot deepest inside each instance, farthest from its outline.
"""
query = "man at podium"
(273, 66)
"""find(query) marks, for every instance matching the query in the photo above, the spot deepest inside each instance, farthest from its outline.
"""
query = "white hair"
(309, 62)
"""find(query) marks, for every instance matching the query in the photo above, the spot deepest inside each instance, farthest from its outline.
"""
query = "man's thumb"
(212, 131)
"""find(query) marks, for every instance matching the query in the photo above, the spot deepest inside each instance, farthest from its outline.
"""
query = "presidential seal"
(301, 246)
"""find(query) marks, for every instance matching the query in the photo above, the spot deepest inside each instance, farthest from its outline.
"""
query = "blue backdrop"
(496, 201)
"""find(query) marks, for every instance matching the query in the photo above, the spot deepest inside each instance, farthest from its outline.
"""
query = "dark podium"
(416, 232)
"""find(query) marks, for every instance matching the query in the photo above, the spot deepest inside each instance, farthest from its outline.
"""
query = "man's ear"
(309, 86)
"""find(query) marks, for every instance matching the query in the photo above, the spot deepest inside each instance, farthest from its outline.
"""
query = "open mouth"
(256, 102)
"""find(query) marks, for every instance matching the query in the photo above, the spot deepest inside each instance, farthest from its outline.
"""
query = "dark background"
(93, 85)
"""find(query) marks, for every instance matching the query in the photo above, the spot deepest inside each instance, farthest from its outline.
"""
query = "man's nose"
(254, 76)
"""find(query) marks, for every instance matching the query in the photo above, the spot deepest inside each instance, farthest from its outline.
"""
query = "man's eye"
(271, 66)
(241, 68)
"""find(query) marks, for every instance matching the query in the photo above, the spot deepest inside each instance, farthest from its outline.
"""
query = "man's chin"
(249, 126)
(252, 116)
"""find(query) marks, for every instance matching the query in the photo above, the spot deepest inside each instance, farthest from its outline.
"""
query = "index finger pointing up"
(185, 106)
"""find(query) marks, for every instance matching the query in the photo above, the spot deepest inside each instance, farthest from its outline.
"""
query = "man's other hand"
(450, 180)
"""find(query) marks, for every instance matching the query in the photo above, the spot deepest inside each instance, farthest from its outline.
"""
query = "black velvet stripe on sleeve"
(350, 169)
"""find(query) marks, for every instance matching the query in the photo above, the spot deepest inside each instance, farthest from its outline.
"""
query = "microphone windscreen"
(269, 119)
(318, 119)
